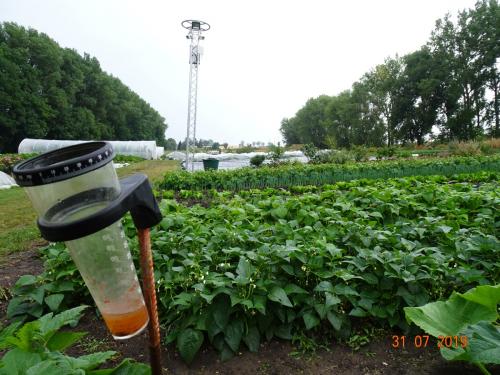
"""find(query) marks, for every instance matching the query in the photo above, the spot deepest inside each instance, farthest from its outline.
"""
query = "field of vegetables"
(297, 174)
(248, 266)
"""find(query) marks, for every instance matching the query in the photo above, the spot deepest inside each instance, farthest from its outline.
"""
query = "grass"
(18, 230)
(151, 168)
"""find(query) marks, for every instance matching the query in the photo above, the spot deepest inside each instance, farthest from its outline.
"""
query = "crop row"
(261, 264)
(306, 174)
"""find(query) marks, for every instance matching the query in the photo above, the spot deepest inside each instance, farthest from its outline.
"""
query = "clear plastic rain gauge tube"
(73, 183)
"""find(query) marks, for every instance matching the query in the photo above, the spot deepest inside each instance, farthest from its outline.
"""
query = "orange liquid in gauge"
(126, 324)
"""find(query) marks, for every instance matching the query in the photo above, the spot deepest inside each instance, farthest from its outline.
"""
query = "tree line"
(449, 87)
(55, 93)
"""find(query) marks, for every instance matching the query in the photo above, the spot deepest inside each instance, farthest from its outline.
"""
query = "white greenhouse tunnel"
(232, 160)
(143, 149)
(6, 181)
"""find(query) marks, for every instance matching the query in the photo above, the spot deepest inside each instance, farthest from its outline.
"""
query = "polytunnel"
(6, 181)
(143, 149)
(159, 152)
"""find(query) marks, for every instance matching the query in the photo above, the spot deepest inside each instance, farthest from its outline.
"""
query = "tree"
(381, 87)
(451, 84)
(468, 52)
(170, 144)
(289, 131)
(417, 105)
(50, 92)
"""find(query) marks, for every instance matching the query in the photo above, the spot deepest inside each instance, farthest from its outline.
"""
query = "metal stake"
(148, 288)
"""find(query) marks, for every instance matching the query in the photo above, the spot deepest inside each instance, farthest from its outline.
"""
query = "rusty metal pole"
(148, 288)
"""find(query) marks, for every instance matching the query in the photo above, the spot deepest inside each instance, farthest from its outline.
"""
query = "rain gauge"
(80, 201)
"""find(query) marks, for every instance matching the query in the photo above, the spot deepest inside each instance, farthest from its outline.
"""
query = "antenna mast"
(195, 30)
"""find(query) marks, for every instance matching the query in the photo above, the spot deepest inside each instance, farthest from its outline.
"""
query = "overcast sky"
(262, 59)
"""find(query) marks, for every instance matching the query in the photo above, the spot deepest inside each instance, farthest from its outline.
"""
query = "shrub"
(341, 157)
(127, 159)
(276, 154)
(7, 161)
(404, 154)
(386, 152)
(310, 151)
(486, 148)
(360, 153)
(257, 160)
(464, 148)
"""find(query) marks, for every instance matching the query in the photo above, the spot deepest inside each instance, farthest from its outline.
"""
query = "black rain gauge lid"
(63, 164)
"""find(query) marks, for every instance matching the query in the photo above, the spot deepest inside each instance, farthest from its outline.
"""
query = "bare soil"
(273, 358)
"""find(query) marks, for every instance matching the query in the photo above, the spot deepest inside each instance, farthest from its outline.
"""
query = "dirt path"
(273, 358)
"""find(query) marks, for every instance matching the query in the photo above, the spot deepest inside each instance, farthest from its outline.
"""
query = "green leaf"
(277, 294)
(26, 280)
(324, 286)
(370, 278)
(91, 361)
(26, 337)
(17, 362)
(189, 342)
(345, 290)
(483, 345)
(8, 331)
(294, 289)
(486, 295)
(233, 333)
(259, 302)
(283, 332)
(450, 317)
(226, 353)
(252, 338)
(310, 320)
(331, 300)
(244, 271)
(50, 324)
(126, 367)
(334, 320)
(358, 312)
(279, 212)
(54, 301)
(37, 295)
(62, 340)
(49, 367)
(444, 228)
(221, 311)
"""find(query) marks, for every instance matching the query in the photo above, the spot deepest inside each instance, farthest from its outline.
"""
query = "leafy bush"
(464, 148)
(56, 289)
(404, 154)
(119, 158)
(386, 152)
(276, 154)
(257, 160)
(37, 348)
(473, 325)
(7, 161)
(340, 157)
(310, 151)
(360, 153)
